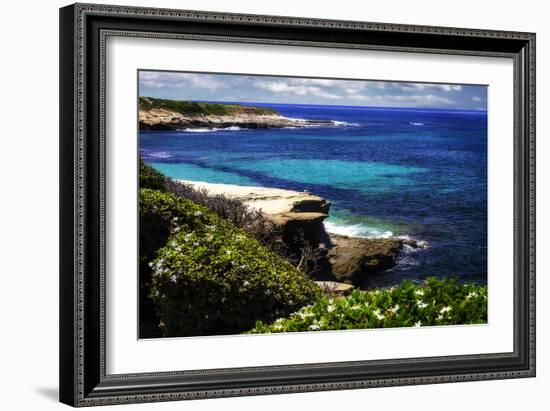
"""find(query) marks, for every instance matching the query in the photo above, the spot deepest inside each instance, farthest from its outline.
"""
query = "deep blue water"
(406, 172)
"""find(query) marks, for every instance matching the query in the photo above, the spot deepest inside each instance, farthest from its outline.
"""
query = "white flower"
(471, 295)
(393, 310)
(246, 283)
(242, 267)
(314, 327)
(228, 252)
(268, 292)
(445, 310)
(421, 304)
(331, 308)
(417, 324)
(378, 315)
(355, 307)
(173, 278)
(197, 213)
(419, 292)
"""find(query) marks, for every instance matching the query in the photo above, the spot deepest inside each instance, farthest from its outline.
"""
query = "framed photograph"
(261, 204)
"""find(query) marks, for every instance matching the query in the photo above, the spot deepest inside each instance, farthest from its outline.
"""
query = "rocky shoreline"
(249, 117)
(344, 260)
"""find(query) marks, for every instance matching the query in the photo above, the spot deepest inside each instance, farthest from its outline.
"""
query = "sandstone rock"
(290, 211)
(351, 258)
(166, 119)
(301, 215)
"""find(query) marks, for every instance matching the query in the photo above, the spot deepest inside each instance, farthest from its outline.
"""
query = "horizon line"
(322, 105)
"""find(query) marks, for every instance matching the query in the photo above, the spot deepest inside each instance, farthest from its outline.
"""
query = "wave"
(338, 123)
(158, 154)
(304, 122)
(209, 130)
(420, 244)
(364, 231)
(300, 123)
(356, 230)
(412, 123)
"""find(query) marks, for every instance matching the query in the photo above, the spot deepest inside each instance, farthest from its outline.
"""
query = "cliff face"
(345, 259)
(161, 114)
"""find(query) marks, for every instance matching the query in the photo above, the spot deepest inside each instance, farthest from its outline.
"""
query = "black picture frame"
(83, 29)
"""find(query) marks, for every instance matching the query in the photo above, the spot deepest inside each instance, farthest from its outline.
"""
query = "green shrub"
(162, 213)
(150, 178)
(211, 277)
(438, 302)
(159, 214)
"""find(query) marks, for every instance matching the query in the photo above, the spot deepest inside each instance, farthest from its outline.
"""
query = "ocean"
(420, 173)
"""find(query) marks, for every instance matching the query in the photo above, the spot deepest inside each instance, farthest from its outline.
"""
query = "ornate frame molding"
(82, 387)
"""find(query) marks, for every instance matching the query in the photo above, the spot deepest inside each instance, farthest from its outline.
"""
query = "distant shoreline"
(162, 114)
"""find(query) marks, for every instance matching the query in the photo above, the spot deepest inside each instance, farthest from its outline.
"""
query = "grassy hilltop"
(191, 108)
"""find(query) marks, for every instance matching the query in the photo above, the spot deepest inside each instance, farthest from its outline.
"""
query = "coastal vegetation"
(254, 221)
(212, 277)
(437, 302)
(193, 108)
(212, 264)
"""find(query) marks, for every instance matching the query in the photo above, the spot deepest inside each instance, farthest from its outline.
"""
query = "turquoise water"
(403, 172)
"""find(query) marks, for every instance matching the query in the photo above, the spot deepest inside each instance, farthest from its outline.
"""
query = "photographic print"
(272, 204)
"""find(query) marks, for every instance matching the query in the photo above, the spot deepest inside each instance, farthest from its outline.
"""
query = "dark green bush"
(160, 214)
(438, 302)
(214, 278)
(150, 178)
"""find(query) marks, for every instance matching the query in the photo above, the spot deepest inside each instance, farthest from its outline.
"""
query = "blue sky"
(291, 90)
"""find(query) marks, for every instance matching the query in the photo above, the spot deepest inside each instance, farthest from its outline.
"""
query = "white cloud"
(291, 89)
(162, 80)
(393, 99)
(417, 99)
(424, 86)
(313, 81)
(258, 88)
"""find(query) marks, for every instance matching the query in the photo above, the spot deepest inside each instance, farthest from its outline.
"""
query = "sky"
(294, 90)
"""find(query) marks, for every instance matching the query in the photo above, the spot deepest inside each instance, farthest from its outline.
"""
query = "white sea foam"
(197, 130)
(412, 123)
(356, 230)
(363, 231)
(209, 130)
(159, 154)
(420, 244)
(344, 124)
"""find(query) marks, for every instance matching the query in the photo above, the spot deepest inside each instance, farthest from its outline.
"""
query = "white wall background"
(29, 204)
